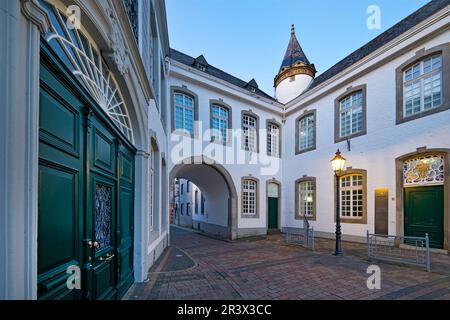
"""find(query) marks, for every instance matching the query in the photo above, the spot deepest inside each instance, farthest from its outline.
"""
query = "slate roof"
(213, 71)
(409, 22)
(294, 52)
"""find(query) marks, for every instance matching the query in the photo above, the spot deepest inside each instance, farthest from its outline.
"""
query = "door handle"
(93, 244)
(110, 257)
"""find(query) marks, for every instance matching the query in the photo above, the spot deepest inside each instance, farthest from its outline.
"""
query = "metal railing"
(303, 236)
(401, 249)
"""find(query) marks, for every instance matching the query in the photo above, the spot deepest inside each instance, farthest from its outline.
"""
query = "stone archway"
(215, 181)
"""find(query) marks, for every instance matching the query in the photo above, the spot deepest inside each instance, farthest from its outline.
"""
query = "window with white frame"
(273, 140)
(306, 198)
(352, 196)
(307, 132)
(249, 188)
(249, 127)
(184, 112)
(219, 123)
(422, 86)
(351, 114)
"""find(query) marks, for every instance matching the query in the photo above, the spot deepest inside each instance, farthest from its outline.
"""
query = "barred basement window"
(422, 87)
(184, 112)
(249, 127)
(352, 196)
(273, 140)
(249, 188)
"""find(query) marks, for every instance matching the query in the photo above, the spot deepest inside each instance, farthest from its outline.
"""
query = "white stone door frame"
(22, 22)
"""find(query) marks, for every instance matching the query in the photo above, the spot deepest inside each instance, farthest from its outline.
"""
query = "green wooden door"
(85, 193)
(101, 211)
(273, 213)
(60, 188)
(424, 213)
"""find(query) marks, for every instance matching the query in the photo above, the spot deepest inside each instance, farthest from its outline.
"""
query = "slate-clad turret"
(296, 72)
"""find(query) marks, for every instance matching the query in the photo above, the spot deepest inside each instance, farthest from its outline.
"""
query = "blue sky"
(248, 38)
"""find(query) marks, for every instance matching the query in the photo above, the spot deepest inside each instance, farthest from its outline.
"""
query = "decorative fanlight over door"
(80, 55)
(422, 171)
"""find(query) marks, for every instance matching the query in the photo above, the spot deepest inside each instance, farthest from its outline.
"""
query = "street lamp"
(338, 165)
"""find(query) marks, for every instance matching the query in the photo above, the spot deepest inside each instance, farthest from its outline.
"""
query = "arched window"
(220, 122)
(351, 113)
(305, 202)
(353, 196)
(249, 197)
(273, 139)
(306, 132)
(422, 86)
(249, 132)
(184, 112)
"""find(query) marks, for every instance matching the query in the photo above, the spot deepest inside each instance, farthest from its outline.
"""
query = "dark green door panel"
(60, 190)
(126, 224)
(424, 213)
(273, 213)
(86, 180)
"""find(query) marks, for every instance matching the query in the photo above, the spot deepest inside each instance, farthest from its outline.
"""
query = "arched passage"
(219, 190)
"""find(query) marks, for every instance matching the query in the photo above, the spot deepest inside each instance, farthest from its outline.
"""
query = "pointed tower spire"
(295, 63)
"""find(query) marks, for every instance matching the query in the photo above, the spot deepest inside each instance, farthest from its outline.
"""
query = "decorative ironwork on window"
(103, 214)
(131, 6)
(424, 170)
(85, 62)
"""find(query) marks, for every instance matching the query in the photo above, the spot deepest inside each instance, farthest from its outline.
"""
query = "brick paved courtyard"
(198, 267)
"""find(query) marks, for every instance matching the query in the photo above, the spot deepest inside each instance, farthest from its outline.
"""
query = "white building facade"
(385, 107)
(101, 119)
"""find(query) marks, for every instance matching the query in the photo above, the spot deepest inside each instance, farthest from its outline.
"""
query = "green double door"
(424, 213)
(85, 194)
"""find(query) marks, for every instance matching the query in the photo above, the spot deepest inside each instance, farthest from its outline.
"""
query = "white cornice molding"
(240, 93)
(442, 14)
(133, 50)
(34, 12)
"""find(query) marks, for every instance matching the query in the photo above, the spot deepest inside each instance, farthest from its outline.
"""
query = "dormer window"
(200, 63)
(252, 86)
(201, 67)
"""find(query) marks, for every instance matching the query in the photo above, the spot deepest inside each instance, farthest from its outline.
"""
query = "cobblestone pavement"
(197, 267)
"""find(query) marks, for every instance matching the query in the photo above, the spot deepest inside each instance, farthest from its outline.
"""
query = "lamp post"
(338, 165)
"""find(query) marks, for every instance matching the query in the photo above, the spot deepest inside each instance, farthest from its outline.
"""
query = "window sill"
(402, 119)
(313, 218)
(352, 136)
(297, 152)
(249, 216)
(362, 220)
